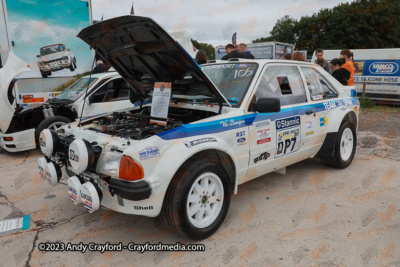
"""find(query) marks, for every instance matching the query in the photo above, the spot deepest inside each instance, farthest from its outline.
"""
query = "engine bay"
(137, 125)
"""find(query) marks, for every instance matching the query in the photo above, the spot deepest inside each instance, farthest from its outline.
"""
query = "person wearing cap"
(100, 67)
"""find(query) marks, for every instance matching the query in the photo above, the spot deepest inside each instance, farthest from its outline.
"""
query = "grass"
(65, 85)
(366, 104)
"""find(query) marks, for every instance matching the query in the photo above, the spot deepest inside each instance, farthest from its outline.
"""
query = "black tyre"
(44, 74)
(75, 63)
(50, 123)
(198, 199)
(71, 66)
(49, 73)
(345, 147)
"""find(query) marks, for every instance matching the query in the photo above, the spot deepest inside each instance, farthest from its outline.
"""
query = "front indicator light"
(355, 109)
(8, 139)
(129, 169)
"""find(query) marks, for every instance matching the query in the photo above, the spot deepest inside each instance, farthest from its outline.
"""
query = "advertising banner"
(43, 34)
(282, 49)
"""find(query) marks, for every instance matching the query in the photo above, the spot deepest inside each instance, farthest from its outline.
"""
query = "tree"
(208, 48)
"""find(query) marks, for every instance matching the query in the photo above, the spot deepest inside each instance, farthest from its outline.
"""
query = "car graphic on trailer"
(55, 57)
(228, 122)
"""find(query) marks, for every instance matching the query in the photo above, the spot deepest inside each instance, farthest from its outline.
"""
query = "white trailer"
(379, 69)
(265, 50)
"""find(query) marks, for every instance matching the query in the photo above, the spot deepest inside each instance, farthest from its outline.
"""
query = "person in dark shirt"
(100, 67)
(339, 73)
(232, 53)
(246, 51)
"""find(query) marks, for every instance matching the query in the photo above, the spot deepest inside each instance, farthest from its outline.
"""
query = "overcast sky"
(214, 21)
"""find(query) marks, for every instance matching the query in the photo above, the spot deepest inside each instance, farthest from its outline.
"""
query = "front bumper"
(61, 66)
(130, 190)
(24, 140)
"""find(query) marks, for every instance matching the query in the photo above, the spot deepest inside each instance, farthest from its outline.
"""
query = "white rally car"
(20, 125)
(227, 123)
(55, 57)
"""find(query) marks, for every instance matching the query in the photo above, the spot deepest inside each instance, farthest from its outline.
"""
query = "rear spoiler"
(350, 90)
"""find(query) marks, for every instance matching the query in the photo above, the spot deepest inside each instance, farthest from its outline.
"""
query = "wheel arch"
(328, 146)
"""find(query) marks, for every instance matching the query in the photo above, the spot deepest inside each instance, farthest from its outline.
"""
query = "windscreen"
(76, 89)
(52, 49)
(232, 79)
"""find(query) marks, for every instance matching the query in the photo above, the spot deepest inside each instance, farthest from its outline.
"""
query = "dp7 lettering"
(287, 136)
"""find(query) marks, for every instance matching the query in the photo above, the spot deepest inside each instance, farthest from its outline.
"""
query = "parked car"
(20, 129)
(227, 123)
(55, 57)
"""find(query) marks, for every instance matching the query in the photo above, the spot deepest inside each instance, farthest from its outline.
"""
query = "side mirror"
(90, 99)
(37, 56)
(268, 105)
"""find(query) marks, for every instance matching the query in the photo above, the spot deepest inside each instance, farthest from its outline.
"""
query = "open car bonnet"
(13, 67)
(144, 53)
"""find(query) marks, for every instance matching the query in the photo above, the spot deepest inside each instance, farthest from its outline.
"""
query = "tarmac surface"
(312, 216)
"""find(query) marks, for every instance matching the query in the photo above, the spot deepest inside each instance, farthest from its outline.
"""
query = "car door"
(323, 102)
(112, 96)
(276, 139)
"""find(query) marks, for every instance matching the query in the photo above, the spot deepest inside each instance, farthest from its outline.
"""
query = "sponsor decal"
(87, 201)
(323, 121)
(310, 133)
(243, 65)
(48, 178)
(149, 152)
(240, 134)
(41, 171)
(143, 208)
(263, 136)
(383, 68)
(42, 142)
(288, 122)
(263, 156)
(330, 105)
(72, 194)
(241, 140)
(73, 156)
(232, 122)
(262, 123)
(309, 124)
(189, 144)
(288, 136)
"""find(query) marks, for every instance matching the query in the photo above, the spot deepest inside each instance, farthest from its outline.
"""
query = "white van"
(379, 68)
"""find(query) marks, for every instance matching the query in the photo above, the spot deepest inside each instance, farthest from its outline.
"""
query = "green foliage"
(208, 48)
(362, 24)
(366, 103)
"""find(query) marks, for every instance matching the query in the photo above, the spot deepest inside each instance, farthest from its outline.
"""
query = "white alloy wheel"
(346, 144)
(205, 200)
(54, 126)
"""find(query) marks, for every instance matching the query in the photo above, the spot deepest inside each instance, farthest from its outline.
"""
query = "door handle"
(309, 112)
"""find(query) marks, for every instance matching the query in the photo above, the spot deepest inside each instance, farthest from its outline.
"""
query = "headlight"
(108, 163)
(81, 155)
(53, 173)
(42, 63)
(48, 141)
(65, 58)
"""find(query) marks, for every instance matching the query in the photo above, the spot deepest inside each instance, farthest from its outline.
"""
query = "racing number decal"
(287, 136)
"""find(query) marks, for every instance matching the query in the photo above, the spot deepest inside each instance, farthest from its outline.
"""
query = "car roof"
(103, 75)
(262, 61)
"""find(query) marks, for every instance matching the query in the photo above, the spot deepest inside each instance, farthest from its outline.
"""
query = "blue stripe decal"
(189, 130)
(25, 222)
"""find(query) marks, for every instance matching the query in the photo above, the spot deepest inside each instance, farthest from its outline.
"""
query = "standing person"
(100, 67)
(232, 53)
(201, 57)
(246, 51)
(298, 56)
(319, 53)
(349, 64)
(340, 74)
